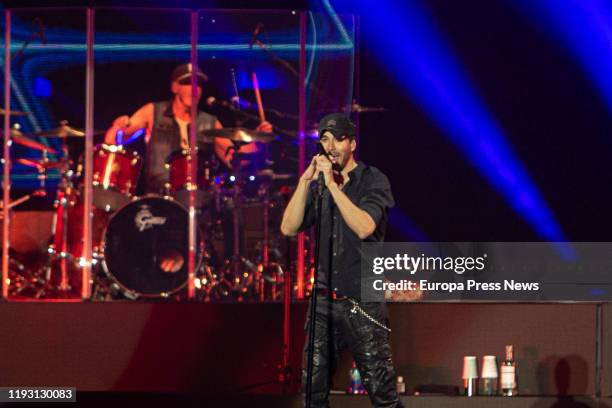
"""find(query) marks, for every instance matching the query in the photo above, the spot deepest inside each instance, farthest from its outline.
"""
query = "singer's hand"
(309, 174)
(325, 166)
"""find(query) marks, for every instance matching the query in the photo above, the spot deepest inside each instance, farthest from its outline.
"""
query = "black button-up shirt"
(339, 247)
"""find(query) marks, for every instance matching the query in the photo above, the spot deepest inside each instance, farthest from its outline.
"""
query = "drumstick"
(262, 115)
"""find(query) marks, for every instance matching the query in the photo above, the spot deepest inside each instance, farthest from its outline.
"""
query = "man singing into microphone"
(354, 209)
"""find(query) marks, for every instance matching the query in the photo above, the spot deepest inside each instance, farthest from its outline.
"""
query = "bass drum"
(138, 238)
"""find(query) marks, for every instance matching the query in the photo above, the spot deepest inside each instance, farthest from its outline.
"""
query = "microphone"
(335, 167)
(320, 184)
(256, 33)
(321, 177)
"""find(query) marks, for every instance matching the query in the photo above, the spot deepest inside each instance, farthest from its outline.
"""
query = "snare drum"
(115, 174)
(138, 238)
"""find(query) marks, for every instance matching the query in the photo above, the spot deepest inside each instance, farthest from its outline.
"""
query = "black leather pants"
(337, 328)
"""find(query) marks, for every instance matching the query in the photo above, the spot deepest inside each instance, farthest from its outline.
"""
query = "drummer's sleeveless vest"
(165, 139)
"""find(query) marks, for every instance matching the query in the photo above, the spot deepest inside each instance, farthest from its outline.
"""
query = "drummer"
(166, 125)
(167, 129)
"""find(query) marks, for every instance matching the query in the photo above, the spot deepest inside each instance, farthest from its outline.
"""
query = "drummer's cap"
(339, 125)
(182, 75)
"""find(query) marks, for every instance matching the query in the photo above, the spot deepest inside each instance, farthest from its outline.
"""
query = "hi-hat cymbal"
(239, 134)
(20, 139)
(14, 113)
(65, 130)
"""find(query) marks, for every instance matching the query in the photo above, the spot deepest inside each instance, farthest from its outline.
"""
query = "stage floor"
(232, 349)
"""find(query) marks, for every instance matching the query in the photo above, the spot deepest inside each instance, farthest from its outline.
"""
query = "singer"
(355, 199)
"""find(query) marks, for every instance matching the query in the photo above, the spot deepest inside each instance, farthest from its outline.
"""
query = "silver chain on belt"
(356, 308)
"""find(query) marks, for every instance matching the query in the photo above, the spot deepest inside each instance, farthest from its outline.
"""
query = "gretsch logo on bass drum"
(144, 219)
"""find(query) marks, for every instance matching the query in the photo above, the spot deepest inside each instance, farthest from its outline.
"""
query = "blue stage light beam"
(400, 222)
(417, 56)
(585, 27)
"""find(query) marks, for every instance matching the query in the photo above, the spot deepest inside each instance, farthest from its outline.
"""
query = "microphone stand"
(313, 297)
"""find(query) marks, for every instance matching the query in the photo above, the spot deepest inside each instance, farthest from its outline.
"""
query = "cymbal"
(239, 134)
(14, 113)
(21, 139)
(64, 130)
(40, 164)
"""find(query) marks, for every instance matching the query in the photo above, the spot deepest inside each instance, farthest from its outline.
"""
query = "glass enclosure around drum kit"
(45, 55)
(101, 102)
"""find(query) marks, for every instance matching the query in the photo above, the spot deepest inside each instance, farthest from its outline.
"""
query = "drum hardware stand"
(273, 268)
(101, 288)
(265, 259)
(266, 240)
(207, 281)
(242, 279)
(43, 274)
(65, 189)
(21, 278)
(67, 186)
(21, 281)
(240, 268)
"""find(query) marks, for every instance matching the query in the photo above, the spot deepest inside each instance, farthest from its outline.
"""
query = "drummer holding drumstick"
(167, 130)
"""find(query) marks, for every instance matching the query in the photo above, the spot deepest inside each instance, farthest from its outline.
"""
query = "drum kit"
(238, 243)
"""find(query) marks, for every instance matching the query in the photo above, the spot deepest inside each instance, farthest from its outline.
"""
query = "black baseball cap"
(182, 75)
(339, 125)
